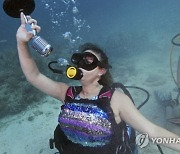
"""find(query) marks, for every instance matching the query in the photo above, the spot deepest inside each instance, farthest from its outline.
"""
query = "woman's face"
(92, 75)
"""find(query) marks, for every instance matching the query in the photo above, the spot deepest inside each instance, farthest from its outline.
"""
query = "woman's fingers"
(32, 21)
(36, 28)
(33, 24)
(22, 18)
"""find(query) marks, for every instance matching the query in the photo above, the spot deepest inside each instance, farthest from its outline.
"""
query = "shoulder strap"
(72, 92)
(107, 92)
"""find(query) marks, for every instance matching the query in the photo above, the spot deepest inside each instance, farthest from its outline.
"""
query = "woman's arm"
(29, 67)
(133, 117)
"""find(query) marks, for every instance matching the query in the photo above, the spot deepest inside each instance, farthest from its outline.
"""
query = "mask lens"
(88, 62)
(88, 59)
(76, 57)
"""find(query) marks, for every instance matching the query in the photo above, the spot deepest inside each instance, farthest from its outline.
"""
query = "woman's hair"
(106, 79)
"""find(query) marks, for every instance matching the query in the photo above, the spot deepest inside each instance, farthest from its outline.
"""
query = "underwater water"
(136, 35)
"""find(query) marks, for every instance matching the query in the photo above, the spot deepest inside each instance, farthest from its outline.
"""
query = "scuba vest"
(88, 126)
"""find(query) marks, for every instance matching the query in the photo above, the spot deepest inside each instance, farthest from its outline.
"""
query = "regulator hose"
(142, 89)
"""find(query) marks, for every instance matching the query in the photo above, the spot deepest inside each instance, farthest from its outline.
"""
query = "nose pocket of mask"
(76, 57)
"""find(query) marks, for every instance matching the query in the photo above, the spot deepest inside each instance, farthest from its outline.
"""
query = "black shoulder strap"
(72, 92)
(107, 92)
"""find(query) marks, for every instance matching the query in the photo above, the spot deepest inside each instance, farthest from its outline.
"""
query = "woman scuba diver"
(93, 114)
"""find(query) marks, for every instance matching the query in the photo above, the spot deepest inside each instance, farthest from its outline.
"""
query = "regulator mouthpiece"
(74, 73)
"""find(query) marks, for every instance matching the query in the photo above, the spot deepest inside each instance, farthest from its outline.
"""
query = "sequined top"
(89, 123)
(85, 124)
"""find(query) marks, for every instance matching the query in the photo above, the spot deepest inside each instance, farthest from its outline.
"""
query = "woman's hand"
(22, 34)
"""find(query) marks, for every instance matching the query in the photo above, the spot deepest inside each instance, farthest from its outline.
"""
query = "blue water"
(124, 28)
(119, 16)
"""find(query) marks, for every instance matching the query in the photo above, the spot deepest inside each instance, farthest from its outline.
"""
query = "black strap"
(75, 91)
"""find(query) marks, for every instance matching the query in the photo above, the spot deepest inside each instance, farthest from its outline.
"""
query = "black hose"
(159, 148)
(145, 101)
(173, 40)
(54, 70)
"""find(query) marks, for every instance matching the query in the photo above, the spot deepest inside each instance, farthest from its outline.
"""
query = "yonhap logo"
(142, 140)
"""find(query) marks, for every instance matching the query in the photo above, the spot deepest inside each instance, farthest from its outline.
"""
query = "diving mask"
(87, 61)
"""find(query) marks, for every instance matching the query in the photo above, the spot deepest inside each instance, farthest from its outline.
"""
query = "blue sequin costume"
(88, 126)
